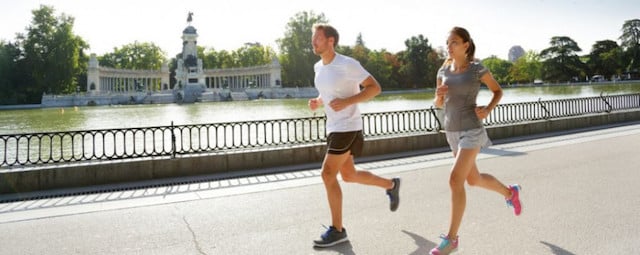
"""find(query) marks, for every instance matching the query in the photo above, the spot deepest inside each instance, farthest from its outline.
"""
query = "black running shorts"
(342, 142)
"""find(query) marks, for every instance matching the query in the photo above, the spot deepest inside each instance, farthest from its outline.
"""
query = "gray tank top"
(460, 102)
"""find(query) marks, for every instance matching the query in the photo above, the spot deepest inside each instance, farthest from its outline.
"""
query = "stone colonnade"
(114, 80)
(104, 79)
(111, 80)
(265, 76)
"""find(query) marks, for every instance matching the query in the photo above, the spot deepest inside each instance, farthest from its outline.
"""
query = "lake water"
(127, 116)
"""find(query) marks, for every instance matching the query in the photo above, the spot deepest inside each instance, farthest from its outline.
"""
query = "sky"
(495, 26)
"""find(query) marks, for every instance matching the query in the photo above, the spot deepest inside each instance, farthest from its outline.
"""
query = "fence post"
(547, 113)
(173, 141)
(610, 108)
(437, 113)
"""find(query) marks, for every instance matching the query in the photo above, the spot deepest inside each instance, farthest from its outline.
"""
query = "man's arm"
(370, 89)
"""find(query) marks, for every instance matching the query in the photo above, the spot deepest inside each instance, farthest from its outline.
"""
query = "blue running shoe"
(331, 237)
(394, 195)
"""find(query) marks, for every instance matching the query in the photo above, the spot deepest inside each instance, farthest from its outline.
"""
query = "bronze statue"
(190, 17)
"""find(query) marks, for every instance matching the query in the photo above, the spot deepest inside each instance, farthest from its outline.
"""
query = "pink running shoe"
(514, 201)
(447, 246)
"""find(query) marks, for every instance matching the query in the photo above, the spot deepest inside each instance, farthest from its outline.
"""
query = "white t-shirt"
(340, 79)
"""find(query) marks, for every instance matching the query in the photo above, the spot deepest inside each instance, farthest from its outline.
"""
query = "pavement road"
(580, 196)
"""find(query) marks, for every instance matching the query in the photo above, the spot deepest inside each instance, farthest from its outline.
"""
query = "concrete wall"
(167, 97)
(56, 176)
(106, 99)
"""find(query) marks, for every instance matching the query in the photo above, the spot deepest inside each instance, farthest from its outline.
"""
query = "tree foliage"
(419, 71)
(136, 56)
(10, 55)
(561, 60)
(246, 56)
(527, 68)
(605, 58)
(630, 42)
(254, 55)
(375, 62)
(499, 68)
(52, 53)
(360, 52)
(297, 57)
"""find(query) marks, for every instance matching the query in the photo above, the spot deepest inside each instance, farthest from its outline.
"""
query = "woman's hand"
(482, 112)
(441, 91)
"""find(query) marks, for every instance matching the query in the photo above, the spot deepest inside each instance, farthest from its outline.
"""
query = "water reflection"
(110, 117)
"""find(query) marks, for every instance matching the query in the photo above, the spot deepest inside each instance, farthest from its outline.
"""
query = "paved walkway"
(580, 196)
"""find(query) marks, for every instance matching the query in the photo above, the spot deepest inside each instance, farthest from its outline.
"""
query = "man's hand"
(338, 104)
(314, 103)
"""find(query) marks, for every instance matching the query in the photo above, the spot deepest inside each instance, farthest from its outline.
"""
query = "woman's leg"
(465, 160)
(487, 181)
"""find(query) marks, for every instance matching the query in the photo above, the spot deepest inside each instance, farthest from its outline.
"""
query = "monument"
(189, 71)
(193, 83)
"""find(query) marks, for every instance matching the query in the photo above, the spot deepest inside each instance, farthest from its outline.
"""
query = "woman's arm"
(494, 86)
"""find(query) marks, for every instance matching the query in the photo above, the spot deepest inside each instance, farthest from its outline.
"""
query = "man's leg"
(350, 174)
(330, 168)
(392, 186)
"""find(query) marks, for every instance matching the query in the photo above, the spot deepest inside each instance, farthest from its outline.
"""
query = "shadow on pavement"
(424, 245)
(557, 250)
(142, 189)
(343, 248)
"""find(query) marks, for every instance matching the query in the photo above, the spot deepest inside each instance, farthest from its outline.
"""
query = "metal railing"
(145, 142)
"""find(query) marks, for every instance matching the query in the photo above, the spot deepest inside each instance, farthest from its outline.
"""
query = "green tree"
(136, 56)
(561, 60)
(226, 59)
(499, 68)
(297, 57)
(345, 50)
(630, 42)
(360, 51)
(52, 53)
(209, 58)
(605, 58)
(379, 67)
(527, 68)
(9, 60)
(253, 55)
(419, 70)
(397, 79)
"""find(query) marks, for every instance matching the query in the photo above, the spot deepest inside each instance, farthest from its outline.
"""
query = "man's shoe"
(331, 237)
(394, 195)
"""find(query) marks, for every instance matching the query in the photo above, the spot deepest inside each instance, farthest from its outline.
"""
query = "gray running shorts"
(468, 139)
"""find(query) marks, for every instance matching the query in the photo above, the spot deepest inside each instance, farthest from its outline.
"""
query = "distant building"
(515, 53)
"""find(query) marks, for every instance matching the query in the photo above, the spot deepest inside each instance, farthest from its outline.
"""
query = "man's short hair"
(328, 31)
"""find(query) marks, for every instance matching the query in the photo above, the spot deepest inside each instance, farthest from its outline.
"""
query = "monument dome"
(189, 30)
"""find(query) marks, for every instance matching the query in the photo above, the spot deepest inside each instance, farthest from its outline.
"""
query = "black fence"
(145, 142)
